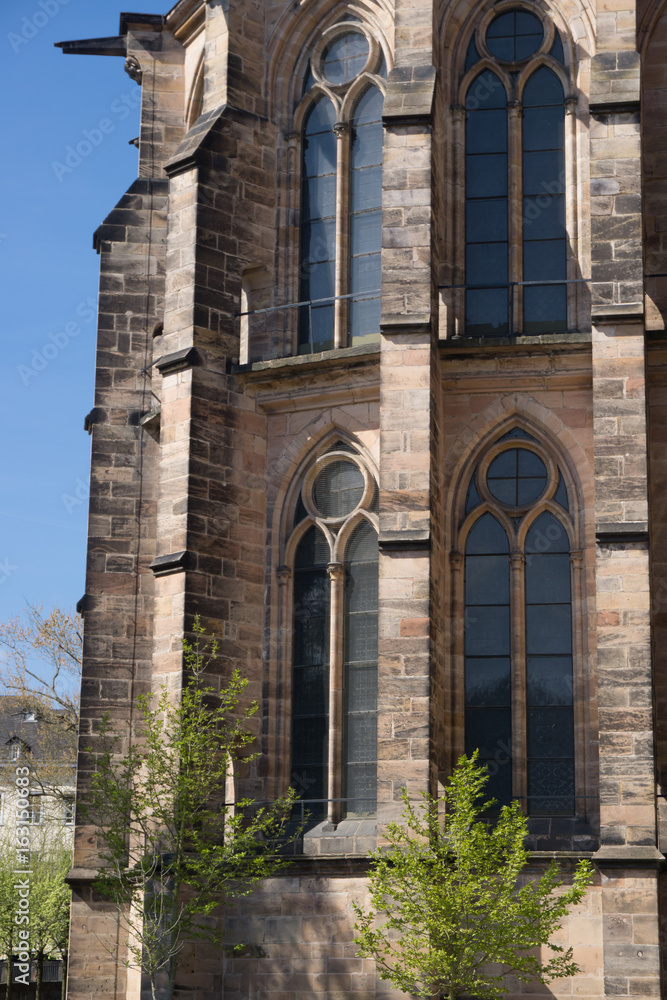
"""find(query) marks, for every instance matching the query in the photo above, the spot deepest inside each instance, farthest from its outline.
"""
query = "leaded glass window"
(341, 192)
(515, 176)
(517, 650)
(334, 635)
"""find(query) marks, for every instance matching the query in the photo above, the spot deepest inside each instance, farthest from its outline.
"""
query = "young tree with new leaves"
(171, 849)
(448, 901)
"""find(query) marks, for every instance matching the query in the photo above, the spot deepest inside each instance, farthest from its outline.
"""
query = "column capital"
(336, 570)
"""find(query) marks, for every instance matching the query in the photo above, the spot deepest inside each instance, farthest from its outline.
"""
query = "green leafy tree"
(50, 898)
(48, 929)
(171, 849)
(449, 904)
(9, 899)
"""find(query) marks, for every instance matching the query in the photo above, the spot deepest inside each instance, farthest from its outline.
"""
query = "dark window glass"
(487, 580)
(308, 81)
(361, 645)
(544, 232)
(486, 176)
(345, 57)
(310, 676)
(548, 629)
(487, 537)
(550, 732)
(338, 489)
(488, 722)
(548, 578)
(487, 630)
(515, 35)
(547, 534)
(517, 432)
(488, 682)
(551, 787)
(550, 720)
(557, 48)
(472, 55)
(561, 493)
(519, 476)
(318, 221)
(489, 730)
(516, 477)
(486, 207)
(549, 680)
(366, 217)
(473, 498)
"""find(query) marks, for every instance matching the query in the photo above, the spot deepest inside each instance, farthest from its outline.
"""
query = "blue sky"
(50, 282)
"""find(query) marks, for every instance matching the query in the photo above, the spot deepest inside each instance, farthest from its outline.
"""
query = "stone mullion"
(342, 267)
(335, 808)
(515, 214)
(518, 677)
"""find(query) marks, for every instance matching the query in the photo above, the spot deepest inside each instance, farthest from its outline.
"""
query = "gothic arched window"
(519, 569)
(334, 563)
(515, 91)
(341, 191)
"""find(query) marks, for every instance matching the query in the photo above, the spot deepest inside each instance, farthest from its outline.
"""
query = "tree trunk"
(8, 995)
(40, 974)
(63, 985)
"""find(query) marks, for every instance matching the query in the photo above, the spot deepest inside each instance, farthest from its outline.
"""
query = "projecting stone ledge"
(628, 854)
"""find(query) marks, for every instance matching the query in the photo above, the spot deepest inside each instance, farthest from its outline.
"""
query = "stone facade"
(208, 417)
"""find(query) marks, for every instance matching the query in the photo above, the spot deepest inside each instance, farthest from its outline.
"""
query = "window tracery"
(518, 228)
(341, 190)
(517, 577)
(332, 553)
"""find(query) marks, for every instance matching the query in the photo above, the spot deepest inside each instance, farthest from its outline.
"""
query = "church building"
(381, 395)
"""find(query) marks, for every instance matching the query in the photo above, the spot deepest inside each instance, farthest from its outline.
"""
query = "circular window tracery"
(516, 477)
(345, 57)
(338, 489)
(515, 35)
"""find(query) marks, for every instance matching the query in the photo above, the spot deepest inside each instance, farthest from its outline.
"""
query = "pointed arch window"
(515, 94)
(520, 571)
(341, 191)
(334, 636)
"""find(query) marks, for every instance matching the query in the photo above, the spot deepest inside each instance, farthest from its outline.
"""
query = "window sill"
(306, 362)
(547, 340)
(349, 837)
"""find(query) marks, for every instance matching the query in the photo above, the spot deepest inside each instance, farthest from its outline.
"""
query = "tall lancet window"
(334, 605)
(341, 191)
(516, 240)
(520, 569)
